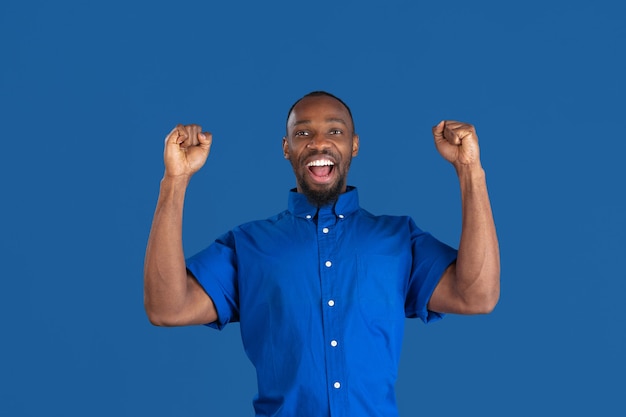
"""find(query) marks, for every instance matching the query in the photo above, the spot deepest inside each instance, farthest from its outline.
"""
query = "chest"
(296, 270)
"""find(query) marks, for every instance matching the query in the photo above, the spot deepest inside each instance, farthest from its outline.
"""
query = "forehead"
(319, 108)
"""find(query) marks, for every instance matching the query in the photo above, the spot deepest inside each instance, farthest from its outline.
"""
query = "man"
(321, 289)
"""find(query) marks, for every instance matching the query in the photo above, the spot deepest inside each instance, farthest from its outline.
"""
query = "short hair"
(321, 93)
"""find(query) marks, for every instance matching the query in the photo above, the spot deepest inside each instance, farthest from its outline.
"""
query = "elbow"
(487, 301)
(156, 320)
(493, 294)
(156, 317)
(167, 316)
(483, 306)
(488, 305)
(160, 320)
(483, 301)
(153, 317)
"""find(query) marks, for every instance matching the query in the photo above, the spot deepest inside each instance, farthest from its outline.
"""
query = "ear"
(285, 148)
(355, 145)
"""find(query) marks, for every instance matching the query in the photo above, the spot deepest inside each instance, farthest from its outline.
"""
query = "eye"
(299, 133)
(336, 131)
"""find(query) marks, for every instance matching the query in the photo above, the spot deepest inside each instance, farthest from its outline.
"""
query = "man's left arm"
(471, 285)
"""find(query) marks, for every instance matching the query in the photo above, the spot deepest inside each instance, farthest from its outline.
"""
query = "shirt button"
(340, 216)
(333, 343)
(308, 216)
(337, 385)
(331, 303)
(325, 230)
(328, 264)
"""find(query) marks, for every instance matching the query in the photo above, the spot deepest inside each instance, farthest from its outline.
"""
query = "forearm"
(478, 263)
(165, 274)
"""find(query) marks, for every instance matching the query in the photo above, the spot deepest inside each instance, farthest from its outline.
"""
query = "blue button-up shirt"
(321, 295)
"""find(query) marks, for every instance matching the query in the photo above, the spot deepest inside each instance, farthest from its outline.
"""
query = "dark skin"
(172, 296)
(472, 284)
(320, 144)
(320, 133)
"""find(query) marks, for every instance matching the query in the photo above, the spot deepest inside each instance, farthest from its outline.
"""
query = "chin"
(321, 195)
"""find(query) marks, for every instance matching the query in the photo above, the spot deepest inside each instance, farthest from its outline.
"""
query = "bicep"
(445, 298)
(462, 296)
(200, 306)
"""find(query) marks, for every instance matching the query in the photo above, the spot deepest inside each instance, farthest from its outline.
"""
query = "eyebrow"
(328, 120)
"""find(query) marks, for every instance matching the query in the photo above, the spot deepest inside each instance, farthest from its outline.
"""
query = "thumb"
(205, 139)
(438, 130)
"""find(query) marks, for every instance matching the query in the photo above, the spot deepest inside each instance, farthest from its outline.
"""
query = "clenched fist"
(186, 150)
(457, 142)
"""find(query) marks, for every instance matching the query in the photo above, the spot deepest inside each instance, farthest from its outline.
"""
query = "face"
(320, 144)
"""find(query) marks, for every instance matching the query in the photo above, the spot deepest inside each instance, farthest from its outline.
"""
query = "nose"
(318, 142)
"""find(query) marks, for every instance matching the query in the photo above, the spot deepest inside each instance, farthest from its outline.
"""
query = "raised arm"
(472, 284)
(172, 297)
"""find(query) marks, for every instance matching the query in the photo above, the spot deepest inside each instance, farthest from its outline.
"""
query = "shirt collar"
(347, 204)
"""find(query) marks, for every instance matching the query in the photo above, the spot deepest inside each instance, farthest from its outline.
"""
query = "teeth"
(320, 163)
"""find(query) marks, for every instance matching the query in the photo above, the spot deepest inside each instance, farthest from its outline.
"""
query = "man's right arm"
(172, 296)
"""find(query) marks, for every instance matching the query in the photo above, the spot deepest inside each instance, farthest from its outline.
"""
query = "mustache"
(323, 152)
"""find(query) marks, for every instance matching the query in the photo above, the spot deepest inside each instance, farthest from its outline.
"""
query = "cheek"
(293, 161)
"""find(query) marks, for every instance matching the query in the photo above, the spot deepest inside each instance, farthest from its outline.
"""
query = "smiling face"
(320, 144)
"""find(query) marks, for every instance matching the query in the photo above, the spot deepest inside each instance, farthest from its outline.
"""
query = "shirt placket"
(330, 264)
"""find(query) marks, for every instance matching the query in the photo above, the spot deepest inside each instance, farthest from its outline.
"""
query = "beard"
(322, 196)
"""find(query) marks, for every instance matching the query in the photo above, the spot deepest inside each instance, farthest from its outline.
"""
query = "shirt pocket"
(381, 283)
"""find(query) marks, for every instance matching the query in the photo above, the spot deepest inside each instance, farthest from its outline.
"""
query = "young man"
(321, 289)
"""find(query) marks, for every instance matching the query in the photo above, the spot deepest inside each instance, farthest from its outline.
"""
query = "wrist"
(174, 186)
(175, 180)
(471, 176)
(470, 171)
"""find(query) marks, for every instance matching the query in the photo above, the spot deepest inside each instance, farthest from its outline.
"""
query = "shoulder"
(399, 226)
(262, 226)
(385, 219)
(253, 224)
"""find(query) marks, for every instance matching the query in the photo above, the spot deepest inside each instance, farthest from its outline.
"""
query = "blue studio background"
(88, 91)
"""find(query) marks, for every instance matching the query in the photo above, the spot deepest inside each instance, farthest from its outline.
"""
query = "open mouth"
(321, 169)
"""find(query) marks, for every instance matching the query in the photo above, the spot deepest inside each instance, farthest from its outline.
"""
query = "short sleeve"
(215, 268)
(430, 258)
